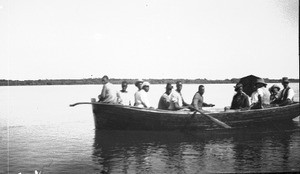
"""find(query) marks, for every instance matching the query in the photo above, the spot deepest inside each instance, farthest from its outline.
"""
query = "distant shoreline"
(119, 81)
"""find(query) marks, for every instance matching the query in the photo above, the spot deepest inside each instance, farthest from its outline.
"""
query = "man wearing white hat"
(142, 100)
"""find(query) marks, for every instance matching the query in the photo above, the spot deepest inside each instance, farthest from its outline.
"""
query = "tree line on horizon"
(4, 82)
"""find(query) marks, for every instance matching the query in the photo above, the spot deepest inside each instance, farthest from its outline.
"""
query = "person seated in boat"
(286, 95)
(124, 95)
(164, 101)
(274, 90)
(255, 100)
(198, 100)
(142, 101)
(137, 94)
(261, 97)
(240, 100)
(108, 93)
(176, 100)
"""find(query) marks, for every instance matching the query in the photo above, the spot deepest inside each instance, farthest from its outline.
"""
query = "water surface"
(39, 131)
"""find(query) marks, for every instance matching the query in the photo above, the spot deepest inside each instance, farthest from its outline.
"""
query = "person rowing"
(198, 99)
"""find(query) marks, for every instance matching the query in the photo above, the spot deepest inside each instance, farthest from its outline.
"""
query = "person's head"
(146, 86)
(124, 85)
(260, 83)
(274, 89)
(178, 86)
(139, 83)
(201, 89)
(169, 88)
(285, 82)
(238, 88)
(104, 79)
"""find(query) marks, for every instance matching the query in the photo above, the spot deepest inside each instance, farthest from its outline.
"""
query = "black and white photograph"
(149, 86)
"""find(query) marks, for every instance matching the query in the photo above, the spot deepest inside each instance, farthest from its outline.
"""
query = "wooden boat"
(121, 117)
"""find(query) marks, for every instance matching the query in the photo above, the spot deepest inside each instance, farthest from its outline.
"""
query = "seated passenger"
(286, 95)
(164, 101)
(142, 101)
(124, 95)
(137, 94)
(108, 93)
(198, 100)
(274, 90)
(240, 99)
(261, 97)
(176, 99)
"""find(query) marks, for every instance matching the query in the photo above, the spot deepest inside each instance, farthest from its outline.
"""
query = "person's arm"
(103, 93)
(286, 102)
(166, 101)
(207, 105)
(184, 103)
(195, 101)
(257, 104)
(119, 98)
(176, 106)
(246, 103)
(232, 103)
(145, 101)
(291, 94)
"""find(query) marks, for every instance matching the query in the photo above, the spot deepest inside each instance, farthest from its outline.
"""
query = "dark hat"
(238, 85)
(261, 81)
(285, 80)
(169, 86)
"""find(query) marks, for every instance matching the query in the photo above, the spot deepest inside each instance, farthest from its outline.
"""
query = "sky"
(212, 39)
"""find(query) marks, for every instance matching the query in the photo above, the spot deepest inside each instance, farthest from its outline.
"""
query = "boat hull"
(120, 117)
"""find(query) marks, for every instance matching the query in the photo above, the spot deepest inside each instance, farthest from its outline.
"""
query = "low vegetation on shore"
(118, 81)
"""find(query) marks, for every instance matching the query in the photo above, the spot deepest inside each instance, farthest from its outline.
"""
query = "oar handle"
(81, 103)
(213, 119)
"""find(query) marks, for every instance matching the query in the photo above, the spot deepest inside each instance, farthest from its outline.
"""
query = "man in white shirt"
(108, 93)
(176, 100)
(286, 95)
(142, 100)
(261, 97)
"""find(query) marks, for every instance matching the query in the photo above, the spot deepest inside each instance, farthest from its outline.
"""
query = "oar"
(213, 119)
(80, 103)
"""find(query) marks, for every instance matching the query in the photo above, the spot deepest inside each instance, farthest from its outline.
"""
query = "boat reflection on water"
(270, 148)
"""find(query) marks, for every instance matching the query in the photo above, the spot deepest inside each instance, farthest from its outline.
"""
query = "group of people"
(262, 97)
(173, 100)
(170, 100)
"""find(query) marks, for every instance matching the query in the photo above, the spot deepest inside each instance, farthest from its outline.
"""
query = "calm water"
(39, 131)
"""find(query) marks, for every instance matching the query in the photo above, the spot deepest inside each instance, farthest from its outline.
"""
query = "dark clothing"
(274, 99)
(283, 99)
(164, 102)
(240, 101)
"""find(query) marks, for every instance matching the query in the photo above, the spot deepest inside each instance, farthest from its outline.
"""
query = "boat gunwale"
(160, 111)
